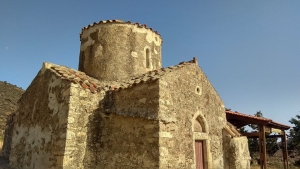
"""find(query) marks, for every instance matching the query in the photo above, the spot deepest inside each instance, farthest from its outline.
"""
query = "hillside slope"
(9, 95)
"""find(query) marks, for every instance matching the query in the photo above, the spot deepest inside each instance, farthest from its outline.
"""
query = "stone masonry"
(121, 110)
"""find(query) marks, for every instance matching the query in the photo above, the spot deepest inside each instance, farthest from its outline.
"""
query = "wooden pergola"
(265, 128)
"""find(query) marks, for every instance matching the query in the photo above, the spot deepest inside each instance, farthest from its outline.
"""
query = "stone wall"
(140, 100)
(64, 125)
(186, 98)
(236, 152)
(40, 123)
(240, 153)
(150, 124)
(81, 138)
(127, 143)
(117, 50)
(113, 129)
(128, 129)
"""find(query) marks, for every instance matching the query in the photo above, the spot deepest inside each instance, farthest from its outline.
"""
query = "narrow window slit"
(148, 58)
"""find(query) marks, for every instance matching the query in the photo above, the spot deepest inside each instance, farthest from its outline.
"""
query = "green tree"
(253, 146)
(253, 142)
(254, 126)
(295, 134)
(272, 146)
(271, 143)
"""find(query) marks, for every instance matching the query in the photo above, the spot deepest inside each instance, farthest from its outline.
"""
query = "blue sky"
(248, 49)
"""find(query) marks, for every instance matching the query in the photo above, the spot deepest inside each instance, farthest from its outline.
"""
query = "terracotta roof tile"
(95, 85)
(269, 122)
(118, 21)
(248, 116)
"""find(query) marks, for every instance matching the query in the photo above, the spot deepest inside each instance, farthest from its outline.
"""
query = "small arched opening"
(202, 153)
(148, 58)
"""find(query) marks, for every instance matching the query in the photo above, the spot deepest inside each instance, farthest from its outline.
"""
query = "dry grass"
(272, 167)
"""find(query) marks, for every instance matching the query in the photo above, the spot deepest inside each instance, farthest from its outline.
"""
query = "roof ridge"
(163, 70)
(95, 85)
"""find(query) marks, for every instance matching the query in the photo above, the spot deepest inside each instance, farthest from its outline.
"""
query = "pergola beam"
(251, 135)
(267, 136)
(265, 127)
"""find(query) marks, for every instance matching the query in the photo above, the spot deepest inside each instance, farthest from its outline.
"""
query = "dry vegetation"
(276, 161)
(9, 95)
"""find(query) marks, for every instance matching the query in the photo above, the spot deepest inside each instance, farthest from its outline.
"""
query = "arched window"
(202, 154)
(148, 59)
(199, 144)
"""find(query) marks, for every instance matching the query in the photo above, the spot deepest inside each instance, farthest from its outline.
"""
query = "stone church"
(122, 110)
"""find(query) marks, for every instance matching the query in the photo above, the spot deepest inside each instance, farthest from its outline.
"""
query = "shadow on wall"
(117, 140)
(95, 131)
(93, 141)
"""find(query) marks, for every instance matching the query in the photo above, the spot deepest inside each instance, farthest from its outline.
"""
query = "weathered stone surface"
(119, 50)
(180, 105)
(237, 154)
(40, 124)
(67, 119)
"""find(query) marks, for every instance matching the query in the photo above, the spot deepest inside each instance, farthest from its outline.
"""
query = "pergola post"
(284, 150)
(262, 147)
(264, 125)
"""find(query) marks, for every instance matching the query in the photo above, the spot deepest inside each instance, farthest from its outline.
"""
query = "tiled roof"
(76, 77)
(248, 116)
(233, 117)
(95, 85)
(118, 21)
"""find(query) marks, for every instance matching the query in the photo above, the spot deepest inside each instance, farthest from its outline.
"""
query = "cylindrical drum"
(115, 50)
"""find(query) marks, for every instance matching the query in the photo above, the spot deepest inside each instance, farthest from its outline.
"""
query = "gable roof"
(95, 85)
(239, 120)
